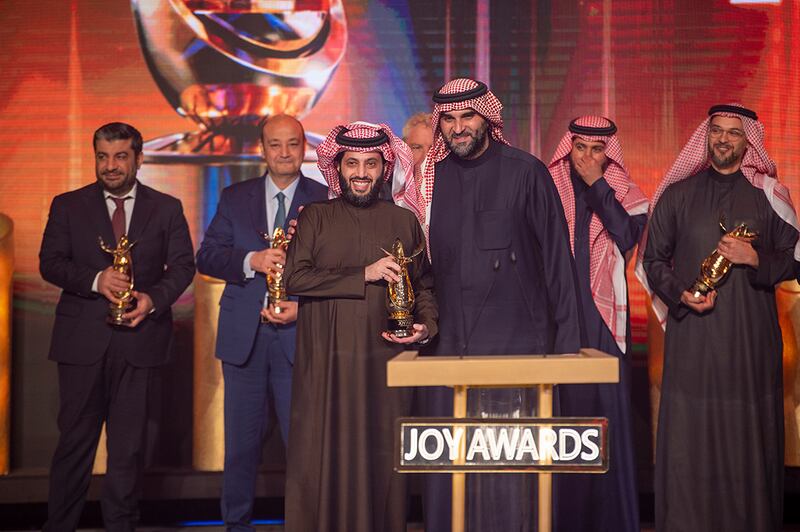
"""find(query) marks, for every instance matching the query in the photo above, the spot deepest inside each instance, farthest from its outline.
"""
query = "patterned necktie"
(118, 218)
(280, 216)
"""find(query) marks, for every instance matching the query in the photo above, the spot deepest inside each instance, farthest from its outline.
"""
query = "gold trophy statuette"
(122, 264)
(715, 266)
(401, 294)
(276, 287)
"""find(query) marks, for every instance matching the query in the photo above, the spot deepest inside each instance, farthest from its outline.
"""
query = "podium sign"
(500, 371)
(556, 445)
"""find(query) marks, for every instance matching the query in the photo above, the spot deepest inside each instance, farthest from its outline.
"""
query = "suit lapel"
(257, 205)
(142, 212)
(301, 197)
(98, 214)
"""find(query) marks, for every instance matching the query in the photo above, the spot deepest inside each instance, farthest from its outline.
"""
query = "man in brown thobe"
(339, 475)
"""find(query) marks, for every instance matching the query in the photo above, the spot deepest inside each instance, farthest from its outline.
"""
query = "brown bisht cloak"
(340, 459)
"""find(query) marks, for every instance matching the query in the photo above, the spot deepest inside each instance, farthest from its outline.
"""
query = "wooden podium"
(499, 371)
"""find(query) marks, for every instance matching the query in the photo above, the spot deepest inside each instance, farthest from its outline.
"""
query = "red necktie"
(118, 218)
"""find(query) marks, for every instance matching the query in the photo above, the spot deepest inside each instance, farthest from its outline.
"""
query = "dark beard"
(732, 159)
(469, 151)
(361, 202)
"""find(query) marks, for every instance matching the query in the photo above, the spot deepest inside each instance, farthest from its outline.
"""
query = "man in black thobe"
(606, 214)
(504, 279)
(719, 449)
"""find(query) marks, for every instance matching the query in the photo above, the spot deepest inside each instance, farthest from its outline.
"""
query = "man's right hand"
(268, 259)
(385, 269)
(700, 304)
(110, 281)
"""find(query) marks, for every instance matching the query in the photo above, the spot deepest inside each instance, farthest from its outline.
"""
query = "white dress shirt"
(112, 206)
(270, 192)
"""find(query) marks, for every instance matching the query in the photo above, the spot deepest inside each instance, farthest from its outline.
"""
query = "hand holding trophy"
(276, 286)
(715, 266)
(400, 294)
(124, 265)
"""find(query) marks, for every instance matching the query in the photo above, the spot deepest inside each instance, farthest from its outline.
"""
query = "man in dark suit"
(104, 370)
(257, 354)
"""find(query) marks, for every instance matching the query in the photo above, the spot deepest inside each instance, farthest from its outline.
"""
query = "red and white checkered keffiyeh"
(487, 105)
(606, 262)
(756, 166)
(393, 150)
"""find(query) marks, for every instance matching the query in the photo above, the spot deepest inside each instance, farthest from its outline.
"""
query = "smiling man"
(257, 353)
(339, 474)
(105, 371)
(720, 424)
(503, 274)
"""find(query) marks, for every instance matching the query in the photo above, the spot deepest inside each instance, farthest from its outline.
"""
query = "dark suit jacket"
(235, 231)
(70, 257)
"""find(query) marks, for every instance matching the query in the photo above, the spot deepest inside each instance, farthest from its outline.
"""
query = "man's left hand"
(738, 251)
(288, 313)
(144, 305)
(293, 225)
(589, 168)
(420, 334)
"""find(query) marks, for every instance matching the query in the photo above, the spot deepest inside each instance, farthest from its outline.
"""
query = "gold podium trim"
(497, 371)
(587, 366)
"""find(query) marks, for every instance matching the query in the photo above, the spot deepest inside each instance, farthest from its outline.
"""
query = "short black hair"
(119, 131)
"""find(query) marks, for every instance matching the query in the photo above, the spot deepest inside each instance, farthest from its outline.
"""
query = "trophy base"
(115, 317)
(401, 327)
(700, 288)
(276, 309)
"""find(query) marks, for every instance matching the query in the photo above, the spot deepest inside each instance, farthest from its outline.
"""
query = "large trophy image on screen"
(228, 63)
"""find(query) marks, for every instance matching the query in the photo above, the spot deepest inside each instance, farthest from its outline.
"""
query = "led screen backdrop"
(654, 67)
(69, 66)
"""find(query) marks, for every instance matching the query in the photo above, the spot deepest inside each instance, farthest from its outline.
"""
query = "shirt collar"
(272, 190)
(130, 194)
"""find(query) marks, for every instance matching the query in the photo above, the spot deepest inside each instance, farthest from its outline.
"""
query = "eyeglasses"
(733, 134)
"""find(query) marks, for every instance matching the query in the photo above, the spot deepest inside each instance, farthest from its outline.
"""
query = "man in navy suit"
(104, 371)
(257, 354)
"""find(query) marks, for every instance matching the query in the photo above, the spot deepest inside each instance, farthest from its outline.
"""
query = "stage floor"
(278, 528)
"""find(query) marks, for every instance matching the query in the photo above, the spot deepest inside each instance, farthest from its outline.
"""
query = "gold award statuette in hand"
(715, 266)
(122, 264)
(276, 287)
(401, 294)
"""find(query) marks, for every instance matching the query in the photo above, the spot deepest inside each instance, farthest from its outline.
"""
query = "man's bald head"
(284, 143)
